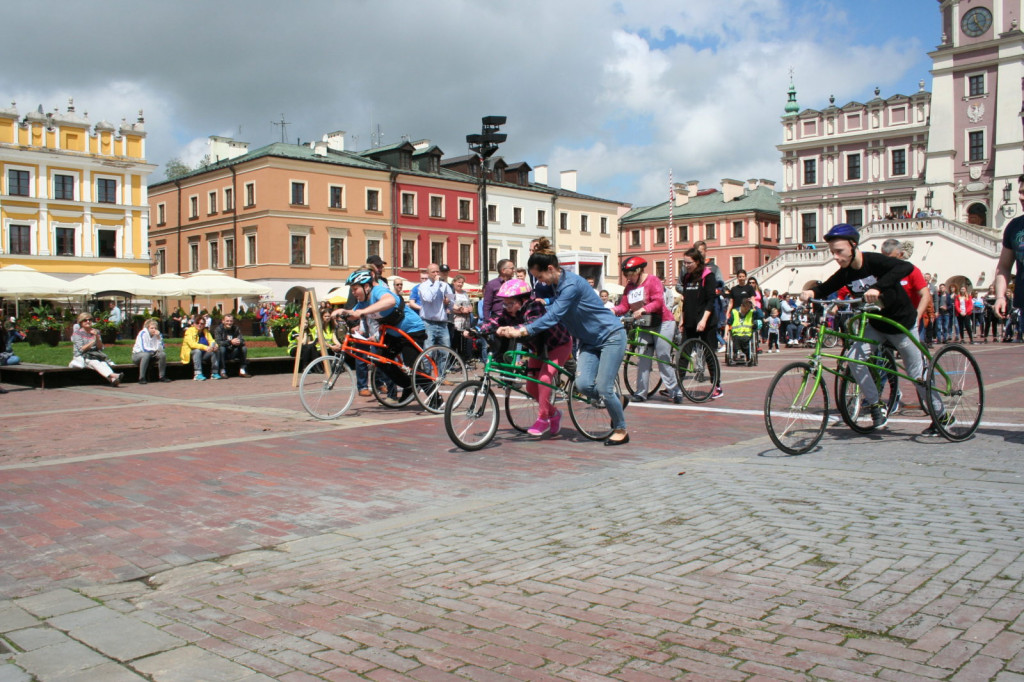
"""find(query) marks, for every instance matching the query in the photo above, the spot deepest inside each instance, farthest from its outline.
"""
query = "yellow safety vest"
(744, 326)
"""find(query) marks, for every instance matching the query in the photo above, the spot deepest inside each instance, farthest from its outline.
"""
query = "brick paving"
(213, 532)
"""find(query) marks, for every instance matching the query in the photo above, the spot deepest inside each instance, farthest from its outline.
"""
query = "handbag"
(94, 354)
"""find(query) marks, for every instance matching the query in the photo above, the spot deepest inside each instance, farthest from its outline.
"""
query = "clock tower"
(976, 140)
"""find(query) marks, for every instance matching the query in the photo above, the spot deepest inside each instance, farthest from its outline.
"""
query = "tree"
(175, 168)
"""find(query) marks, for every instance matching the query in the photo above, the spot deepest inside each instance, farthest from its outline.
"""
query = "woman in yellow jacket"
(198, 346)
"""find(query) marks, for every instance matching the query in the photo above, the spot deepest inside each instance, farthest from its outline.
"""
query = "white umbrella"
(21, 281)
(172, 285)
(119, 280)
(214, 283)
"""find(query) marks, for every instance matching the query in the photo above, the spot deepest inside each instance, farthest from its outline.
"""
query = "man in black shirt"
(875, 278)
(739, 292)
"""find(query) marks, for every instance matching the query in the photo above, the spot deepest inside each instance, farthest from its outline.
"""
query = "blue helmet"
(360, 277)
(844, 231)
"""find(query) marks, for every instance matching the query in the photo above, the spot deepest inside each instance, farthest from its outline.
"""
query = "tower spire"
(792, 108)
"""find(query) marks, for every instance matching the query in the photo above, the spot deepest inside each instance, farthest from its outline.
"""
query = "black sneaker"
(879, 416)
(933, 431)
(638, 397)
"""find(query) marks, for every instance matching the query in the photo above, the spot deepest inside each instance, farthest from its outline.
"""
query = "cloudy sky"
(621, 91)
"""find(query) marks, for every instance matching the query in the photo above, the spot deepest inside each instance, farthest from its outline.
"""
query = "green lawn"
(121, 352)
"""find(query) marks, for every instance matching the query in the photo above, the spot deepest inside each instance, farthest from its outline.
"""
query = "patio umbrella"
(214, 283)
(20, 281)
(119, 281)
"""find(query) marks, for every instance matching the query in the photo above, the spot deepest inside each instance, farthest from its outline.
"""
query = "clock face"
(976, 22)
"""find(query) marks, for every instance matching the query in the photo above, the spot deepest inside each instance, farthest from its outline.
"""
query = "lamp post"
(1008, 208)
(484, 145)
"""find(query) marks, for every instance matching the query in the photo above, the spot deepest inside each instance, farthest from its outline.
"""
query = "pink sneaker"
(539, 428)
(556, 422)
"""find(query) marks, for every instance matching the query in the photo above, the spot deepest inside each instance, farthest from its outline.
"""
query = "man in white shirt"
(116, 317)
(436, 298)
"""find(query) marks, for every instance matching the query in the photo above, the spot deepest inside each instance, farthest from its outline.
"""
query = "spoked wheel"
(471, 415)
(590, 415)
(438, 370)
(387, 393)
(796, 409)
(854, 410)
(697, 370)
(521, 408)
(327, 387)
(631, 370)
(955, 383)
(830, 341)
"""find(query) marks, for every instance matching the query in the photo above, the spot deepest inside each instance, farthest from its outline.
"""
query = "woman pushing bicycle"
(876, 278)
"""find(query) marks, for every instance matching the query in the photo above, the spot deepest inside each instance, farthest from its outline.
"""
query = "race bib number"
(635, 297)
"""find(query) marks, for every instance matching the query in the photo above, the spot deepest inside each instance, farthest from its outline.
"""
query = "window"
(408, 253)
(106, 191)
(855, 217)
(604, 225)
(161, 261)
(229, 253)
(337, 196)
(492, 213)
(299, 249)
(436, 207)
(634, 238)
(810, 171)
(193, 256)
(298, 194)
(542, 218)
(584, 223)
(161, 214)
(517, 216)
(337, 251)
(372, 247)
(250, 249)
(684, 235)
(513, 255)
(809, 224)
(563, 221)
(250, 194)
(64, 187)
(18, 183)
(465, 257)
(853, 167)
(212, 203)
(437, 253)
(408, 203)
(373, 200)
(737, 230)
(465, 209)
(976, 145)
(710, 231)
(214, 255)
(19, 240)
(229, 199)
(193, 207)
(65, 241)
(492, 259)
(976, 85)
(659, 235)
(899, 161)
(659, 269)
(737, 264)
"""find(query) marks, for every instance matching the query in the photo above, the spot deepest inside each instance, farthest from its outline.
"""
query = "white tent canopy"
(122, 280)
(214, 283)
(21, 281)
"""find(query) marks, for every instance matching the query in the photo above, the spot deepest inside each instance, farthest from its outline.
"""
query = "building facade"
(74, 195)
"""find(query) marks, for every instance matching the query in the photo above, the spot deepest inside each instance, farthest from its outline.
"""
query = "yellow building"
(73, 194)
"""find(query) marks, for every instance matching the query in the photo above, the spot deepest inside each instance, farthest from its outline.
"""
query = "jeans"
(200, 356)
(229, 352)
(143, 359)
(942, 326)
(663, 352)
(437, 334)
(596, 369)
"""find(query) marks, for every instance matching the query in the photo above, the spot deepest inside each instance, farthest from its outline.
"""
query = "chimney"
(319, 148)
(770, 184)
(692, 186)
(752, 184)
(731, 189)
(540, 175)
(336, 140)
(568, 179)
(224, 148)
(682, 197)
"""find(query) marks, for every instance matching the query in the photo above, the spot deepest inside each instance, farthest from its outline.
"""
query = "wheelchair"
(742, 350)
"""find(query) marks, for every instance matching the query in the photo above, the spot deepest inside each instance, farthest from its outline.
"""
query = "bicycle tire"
(631, 370)
(384, 397)
(796, 420)
(697, 370)
(830, 341)
(521, 408)
(955, 377)
(848, 393)
(590, 416)
(327, 387)
(471, 415)
(437, 371)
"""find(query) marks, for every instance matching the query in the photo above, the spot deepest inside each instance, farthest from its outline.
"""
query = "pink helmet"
(513, 287)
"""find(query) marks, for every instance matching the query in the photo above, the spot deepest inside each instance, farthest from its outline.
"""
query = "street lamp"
(1008, 208)
(484, 145)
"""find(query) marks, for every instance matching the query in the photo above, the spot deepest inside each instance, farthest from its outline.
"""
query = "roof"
(762, 199)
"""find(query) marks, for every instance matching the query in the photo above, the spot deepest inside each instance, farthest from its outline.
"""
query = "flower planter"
(109, 337)
(51, 337)
(281, 336)
(34, 336)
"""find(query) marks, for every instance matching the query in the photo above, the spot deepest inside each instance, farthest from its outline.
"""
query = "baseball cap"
(444, 268)
(376, 260)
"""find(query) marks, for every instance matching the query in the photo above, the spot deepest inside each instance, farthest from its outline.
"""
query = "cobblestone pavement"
(213, 532)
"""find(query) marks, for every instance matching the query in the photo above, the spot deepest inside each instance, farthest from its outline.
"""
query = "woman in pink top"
(645, 295)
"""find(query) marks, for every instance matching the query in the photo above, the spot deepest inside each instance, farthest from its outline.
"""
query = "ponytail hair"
(543, 256)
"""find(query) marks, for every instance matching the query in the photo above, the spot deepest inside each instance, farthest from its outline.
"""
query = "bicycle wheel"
(437, 371)
(850, 401)
(955, 383)
(589, 415)
(327, 387)
(697, 370)
(830, 341)
(385, 391)
(796, 408)
(521, 408)
(471, 415)
(631, 371)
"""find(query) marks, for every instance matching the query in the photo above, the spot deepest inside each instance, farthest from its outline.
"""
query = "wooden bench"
(55, 376)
